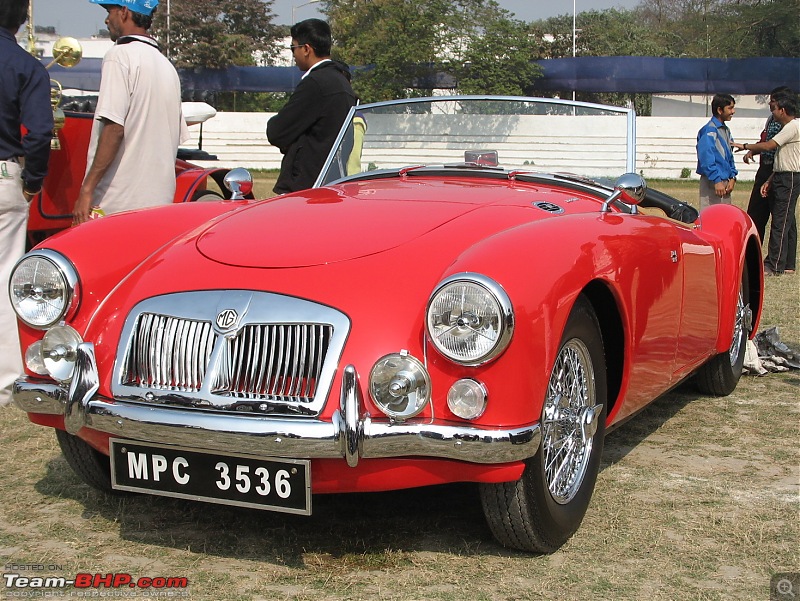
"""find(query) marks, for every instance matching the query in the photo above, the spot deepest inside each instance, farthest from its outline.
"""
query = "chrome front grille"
(277, 356)
(274, 361)
(169, 353)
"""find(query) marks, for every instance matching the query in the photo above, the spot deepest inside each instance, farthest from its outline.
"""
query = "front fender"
(543, 266)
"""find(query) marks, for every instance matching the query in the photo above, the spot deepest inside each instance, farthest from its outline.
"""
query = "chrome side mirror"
(240, 182)
(630, 188)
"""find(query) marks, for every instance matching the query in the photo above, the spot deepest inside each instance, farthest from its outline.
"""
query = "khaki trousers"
(13, 225)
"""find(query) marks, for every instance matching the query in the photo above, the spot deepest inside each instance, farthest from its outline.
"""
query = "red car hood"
(324, 226)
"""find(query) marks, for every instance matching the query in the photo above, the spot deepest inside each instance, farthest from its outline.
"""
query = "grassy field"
(697, 499)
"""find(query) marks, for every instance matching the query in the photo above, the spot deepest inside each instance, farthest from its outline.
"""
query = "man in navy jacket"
(305, 129)
(24, 101)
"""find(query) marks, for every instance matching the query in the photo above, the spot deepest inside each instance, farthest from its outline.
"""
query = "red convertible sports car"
(459, 298)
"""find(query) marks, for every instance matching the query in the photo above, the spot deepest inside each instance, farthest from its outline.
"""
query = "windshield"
(503, 133)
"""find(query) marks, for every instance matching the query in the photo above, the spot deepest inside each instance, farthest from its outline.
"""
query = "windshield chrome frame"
(630, 156)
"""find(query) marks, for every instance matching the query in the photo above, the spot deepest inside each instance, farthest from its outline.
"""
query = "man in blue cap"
(138, 124)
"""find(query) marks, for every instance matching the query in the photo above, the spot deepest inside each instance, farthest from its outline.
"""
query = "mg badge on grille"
(227, 319)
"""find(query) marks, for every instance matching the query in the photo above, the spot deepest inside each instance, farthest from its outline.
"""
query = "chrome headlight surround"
(469, 319)
(43, 288)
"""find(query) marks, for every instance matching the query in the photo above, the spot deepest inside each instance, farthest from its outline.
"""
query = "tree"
(760, 28)
(402, 43)
(499, 60)
(218, 34)
(724, 28)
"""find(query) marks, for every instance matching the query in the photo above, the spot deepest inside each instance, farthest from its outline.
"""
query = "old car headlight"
(470, 319)
(60, 352)
(42, 288)
(467, 399)
(400, 385)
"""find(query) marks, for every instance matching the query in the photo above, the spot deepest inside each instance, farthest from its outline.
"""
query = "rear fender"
(738, 248)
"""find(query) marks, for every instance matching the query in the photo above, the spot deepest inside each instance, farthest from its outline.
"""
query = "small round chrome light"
(470, 319)
(400, 385)
(34, 360)
(467, 399)
(42, 288)
(60, 352)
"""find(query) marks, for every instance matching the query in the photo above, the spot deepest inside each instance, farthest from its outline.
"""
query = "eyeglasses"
(293, 48)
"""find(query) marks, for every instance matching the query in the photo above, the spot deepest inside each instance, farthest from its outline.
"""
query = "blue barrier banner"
(626, 74)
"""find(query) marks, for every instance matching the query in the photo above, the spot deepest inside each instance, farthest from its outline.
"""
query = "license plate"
(240, 480)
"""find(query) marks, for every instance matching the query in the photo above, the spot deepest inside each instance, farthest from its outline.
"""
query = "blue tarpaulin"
(626, 74)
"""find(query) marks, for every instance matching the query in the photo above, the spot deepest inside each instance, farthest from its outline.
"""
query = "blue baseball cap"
(144, 7)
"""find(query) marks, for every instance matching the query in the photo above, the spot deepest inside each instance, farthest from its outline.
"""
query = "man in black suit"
(305, 129)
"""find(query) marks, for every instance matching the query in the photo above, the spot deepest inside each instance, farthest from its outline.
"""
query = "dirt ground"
(697, 499)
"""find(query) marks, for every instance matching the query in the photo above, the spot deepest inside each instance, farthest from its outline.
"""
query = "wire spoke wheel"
(720, 374)
(742, 326)
(566, 435)
(541, 510)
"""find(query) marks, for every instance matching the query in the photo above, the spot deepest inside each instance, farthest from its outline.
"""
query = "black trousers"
(759, 207)
(782, 247)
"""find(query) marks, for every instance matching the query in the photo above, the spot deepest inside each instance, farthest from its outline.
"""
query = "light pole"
(574, 20)
(302, 5)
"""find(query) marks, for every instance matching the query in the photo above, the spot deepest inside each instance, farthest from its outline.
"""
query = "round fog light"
(467, 399)
(34, 360)
(400, 385)
(60, 352)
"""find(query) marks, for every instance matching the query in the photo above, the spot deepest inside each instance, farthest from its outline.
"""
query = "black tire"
(720, 375)
(540, 512)
(92, 466)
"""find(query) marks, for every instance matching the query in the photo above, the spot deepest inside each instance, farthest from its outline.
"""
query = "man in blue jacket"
(305, 129)
(714, 154)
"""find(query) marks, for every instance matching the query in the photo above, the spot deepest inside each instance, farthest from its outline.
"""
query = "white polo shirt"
(787, 157)
(140, 90)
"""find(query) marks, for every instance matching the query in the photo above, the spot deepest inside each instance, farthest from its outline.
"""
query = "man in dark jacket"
(305, 129)
(24, 101)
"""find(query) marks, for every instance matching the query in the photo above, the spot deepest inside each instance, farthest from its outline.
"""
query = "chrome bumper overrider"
(351, 434)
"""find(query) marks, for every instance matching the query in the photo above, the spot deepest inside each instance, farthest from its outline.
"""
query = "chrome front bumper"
(351, 434)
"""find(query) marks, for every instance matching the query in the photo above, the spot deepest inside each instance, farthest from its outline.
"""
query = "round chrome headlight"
(470, 319)
(42, 288)
(400, 385)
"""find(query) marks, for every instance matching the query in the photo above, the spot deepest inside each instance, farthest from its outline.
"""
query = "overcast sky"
(79, 18)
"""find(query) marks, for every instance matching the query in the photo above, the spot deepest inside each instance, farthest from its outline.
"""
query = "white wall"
(665, 145)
